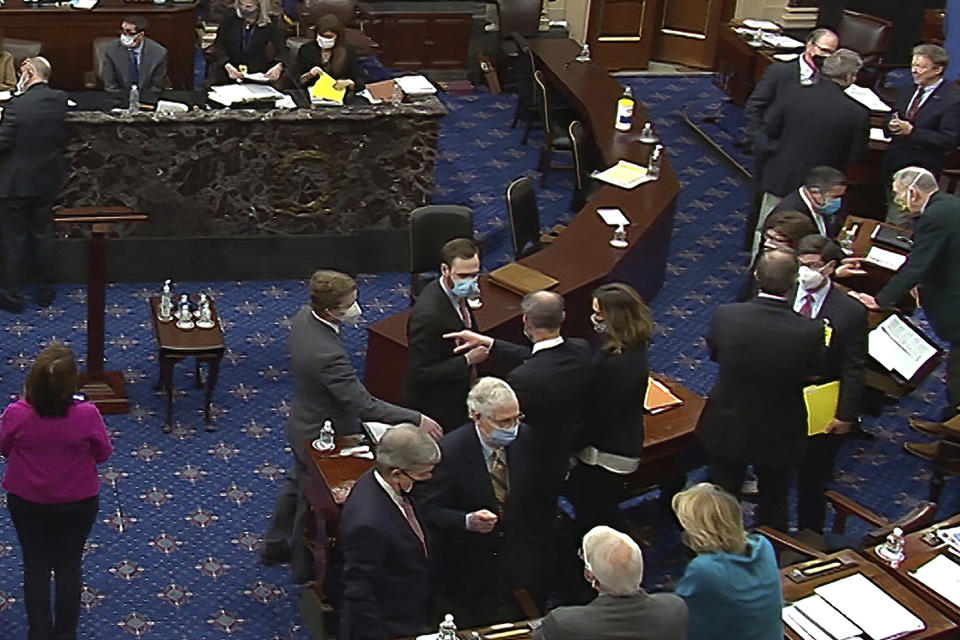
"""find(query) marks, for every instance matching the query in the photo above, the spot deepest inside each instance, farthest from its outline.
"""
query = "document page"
(879, 135)
(624, 174)
(867, 97)
(827, 618)
(885, 258)
(869, 607)
(943, 576)
(613, 216)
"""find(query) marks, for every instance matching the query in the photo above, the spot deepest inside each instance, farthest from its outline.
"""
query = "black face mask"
(818, 61)
(249, 14)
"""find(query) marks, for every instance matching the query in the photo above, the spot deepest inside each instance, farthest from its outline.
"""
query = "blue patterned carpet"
(185, 564)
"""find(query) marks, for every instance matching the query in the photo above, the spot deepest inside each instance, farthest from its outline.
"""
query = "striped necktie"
(499, 477)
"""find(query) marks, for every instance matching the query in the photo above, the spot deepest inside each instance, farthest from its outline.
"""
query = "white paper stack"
(231, 94)
(869, 607)
(416, 85)
(613, 216)
(624, 174)
(896, 346)
(885, 258)
(867, 98)
(943, 576)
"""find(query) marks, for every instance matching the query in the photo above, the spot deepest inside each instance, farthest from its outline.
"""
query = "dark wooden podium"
(105, 389)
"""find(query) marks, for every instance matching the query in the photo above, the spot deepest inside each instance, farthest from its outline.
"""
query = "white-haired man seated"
(613, 565)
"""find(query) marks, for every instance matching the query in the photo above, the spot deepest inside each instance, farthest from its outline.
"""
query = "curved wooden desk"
(581, 258)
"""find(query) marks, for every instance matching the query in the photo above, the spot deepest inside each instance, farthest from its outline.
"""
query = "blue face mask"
(465, 288)
(832, 205)
(503, 437)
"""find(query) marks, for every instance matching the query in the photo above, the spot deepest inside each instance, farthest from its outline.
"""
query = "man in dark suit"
(134, 59)
(31, 170)
(776, 80)
(812, 126)
(326, 387)
(820, 198)
(613, 564)
(551, 380)
(386, 568)
(926, 123)
(437, 378)
(755, 413)
(845, 360)
(484, 511)
(934, 267)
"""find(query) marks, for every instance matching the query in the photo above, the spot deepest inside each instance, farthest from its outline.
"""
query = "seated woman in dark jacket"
(242, 43)
(614, 437)
(329, 54)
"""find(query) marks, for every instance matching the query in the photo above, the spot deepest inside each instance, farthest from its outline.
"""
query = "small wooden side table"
(173, 345)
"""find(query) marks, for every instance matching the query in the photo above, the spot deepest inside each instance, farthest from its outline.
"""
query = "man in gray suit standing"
(613, 565)
(326, 387)
(134, 59)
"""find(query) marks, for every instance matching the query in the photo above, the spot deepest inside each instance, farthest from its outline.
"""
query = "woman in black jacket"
(613, 440)
(244, 40)
(329, 54)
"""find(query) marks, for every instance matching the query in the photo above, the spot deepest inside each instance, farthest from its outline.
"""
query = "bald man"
(31, 170)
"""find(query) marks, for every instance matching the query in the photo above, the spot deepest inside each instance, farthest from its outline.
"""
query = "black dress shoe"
(10, 304)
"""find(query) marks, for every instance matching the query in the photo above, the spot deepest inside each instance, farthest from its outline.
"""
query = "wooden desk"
(739, 66)
(175, 344)
(326, 485)
(505, 630)
(581, 258)
(67, 35)
(937, 626)
(919, 552)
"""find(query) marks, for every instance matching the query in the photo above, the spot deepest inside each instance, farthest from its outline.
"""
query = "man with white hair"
(484, 509)
(934, 267)
(386, 571)
(613, 565)
(31, 170)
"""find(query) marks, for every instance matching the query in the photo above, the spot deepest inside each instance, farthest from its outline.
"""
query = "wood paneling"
(416, 41)
(621, 32)
(687, 31)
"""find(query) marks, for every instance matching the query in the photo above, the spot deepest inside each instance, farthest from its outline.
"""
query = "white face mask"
(810, 279)
(352, 315)
(21, 82)
(128, 41)
(326, 43)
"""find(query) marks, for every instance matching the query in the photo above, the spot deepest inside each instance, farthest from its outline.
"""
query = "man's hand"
(482, 521)
(467, 340)
(867, 300)
(849, 267)
(477, 355)
(839, 427)
(274, 72)
(316, 72)
(232, 72)
(343, 84)
(430, 427)
(900, 127)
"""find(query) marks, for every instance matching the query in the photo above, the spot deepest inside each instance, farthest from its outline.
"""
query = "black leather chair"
(524, 217)
(523, 68)
(554, 138)
(869, 36)
(584, 163)
(431, 227)
(521, 17)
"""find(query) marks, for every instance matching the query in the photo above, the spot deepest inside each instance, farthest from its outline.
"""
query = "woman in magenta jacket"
(52, 444)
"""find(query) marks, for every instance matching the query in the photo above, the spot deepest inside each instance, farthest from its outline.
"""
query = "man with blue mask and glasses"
(437, 378)
(819, 197)
(485, 511)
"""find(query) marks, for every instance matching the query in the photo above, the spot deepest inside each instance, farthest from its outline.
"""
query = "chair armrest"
(845, 506)
(919, 517)
(785, 541)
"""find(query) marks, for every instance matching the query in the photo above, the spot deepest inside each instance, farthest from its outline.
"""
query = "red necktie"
(915, 104)
(413, 522)
(806, 309)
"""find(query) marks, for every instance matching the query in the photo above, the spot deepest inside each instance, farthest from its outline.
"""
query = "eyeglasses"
(507, 423)
(127, 32)
(422, 476)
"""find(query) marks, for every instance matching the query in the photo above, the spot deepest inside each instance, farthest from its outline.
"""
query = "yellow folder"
(323, 89)
(821, 401)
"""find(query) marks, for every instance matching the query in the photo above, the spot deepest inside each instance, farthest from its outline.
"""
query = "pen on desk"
(902, 348)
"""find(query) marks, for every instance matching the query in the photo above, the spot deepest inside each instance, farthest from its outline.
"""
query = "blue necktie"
(134, 68)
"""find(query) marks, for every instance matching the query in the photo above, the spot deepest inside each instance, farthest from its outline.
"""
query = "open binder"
(903, 349)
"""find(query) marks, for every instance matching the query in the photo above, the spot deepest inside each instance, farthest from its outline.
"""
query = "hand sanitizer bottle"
(448, 630)
(625, 110)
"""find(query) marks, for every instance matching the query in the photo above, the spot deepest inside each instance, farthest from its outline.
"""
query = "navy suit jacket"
(813, 125)
(936, 130)
(934, 264)
(767, 354)
(475, 563)
(386, 573)
(437, 379)
(776, 80)
(846, 357)
(31, 143)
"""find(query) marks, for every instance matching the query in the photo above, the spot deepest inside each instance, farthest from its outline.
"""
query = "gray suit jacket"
(326, 386)
(661, 616)
(153, 69)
